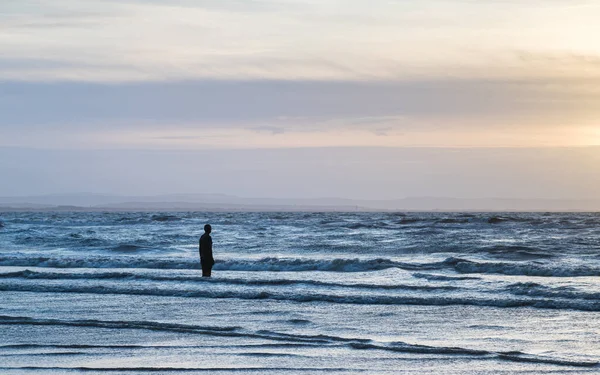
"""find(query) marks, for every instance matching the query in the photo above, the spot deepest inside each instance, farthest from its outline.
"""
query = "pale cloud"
(233, 73)
(274, 130)
(196, 114)
(219, 102)
(94, 40)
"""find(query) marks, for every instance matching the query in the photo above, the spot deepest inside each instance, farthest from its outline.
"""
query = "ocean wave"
(326, 340)
(369, 225)
(127, 248)
(521, 269)
(163, 218)
(515, 356)
(97, 262)
(421, 349)
(358, 226)
(34, 275)
(432, 277)
(147, 325)
(263, 264)
(452, 221)
(274, 264)
(538, 290)
(267, 354)
(303, 264)
(497, 220)
(515, 219)
(410, 220)
(45, 354)
(228, 331)
(516, 252)
(260, 370)
(299, 321)
(304, 297)
(83, 346)
(150, 345)
(524, 357)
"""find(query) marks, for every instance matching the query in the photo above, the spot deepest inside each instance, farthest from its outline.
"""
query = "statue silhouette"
(205, 248)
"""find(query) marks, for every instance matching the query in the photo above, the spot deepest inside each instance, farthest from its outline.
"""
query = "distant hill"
(221, 202)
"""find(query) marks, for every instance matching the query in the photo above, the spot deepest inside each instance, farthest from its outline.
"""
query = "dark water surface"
(373, 293)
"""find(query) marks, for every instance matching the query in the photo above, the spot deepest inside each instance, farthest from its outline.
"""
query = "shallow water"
(299, 293)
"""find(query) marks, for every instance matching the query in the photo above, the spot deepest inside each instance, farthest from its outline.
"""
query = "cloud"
(383, 132)
(285, 104)
(178, 137)
(95, 69)
(118, 41)
(213, 113)
(269, 129)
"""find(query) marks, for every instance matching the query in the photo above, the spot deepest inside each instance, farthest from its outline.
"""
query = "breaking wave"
(320, 339)
(522, 269)
(537, 290)
(34, 275)
(308, 296)
(274, 264)
(263, 264)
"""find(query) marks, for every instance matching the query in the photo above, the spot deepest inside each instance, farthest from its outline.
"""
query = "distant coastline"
(225, 203)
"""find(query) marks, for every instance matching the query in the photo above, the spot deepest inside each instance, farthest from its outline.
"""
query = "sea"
(300, 293)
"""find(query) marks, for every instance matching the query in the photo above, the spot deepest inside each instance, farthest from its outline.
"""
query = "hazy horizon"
(289, 98)
(513, 173)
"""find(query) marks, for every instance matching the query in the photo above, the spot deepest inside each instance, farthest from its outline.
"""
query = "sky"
(305, 81)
